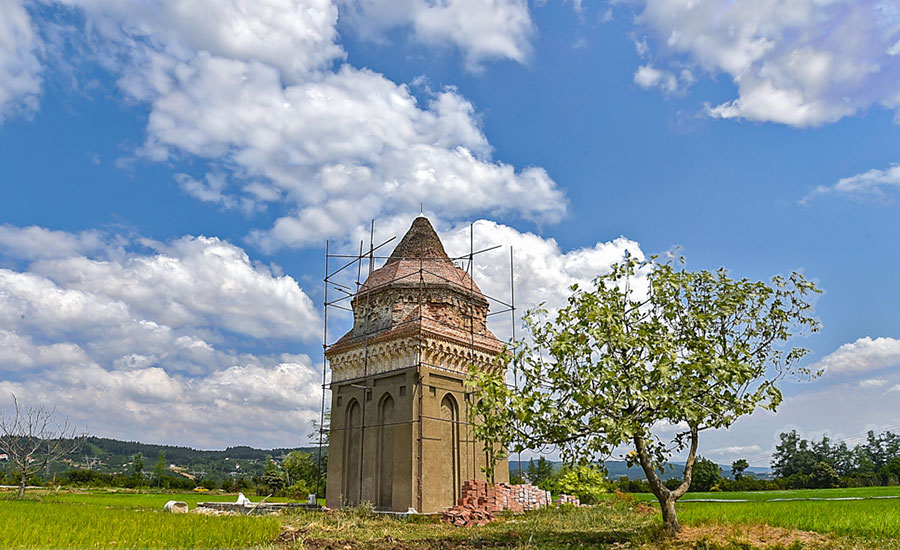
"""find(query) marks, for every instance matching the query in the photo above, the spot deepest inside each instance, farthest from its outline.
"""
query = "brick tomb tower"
(399, 433)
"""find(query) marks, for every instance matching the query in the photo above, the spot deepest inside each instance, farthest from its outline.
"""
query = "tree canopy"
(650, 344)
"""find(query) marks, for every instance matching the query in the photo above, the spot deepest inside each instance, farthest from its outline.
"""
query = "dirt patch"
(287, 540)
(387, 543)
(753, 536)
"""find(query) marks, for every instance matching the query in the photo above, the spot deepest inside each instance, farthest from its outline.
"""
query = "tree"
(651, 343)
(707, 474)
(823, 476)
(738, 467)
(33, 437)
(273, 476)
(137, 466)
(159, 469)
(539, 473)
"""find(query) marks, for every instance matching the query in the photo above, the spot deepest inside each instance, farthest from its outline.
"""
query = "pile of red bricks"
(466, 516)
(481, 496)
(569, 499)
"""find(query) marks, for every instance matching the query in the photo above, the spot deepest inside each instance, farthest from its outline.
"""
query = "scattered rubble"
(176, 507)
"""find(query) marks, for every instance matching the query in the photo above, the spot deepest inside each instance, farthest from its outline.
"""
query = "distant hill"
(115, 456)
(619, 468)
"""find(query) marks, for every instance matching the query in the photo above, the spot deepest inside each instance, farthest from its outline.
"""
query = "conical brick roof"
(420, 258)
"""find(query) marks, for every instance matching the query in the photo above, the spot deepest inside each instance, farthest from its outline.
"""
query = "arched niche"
(450, 449)
(352, 453)
(386, 431)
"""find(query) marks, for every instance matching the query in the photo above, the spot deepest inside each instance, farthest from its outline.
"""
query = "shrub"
(585, 482)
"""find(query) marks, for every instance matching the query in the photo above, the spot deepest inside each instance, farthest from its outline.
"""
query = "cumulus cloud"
(544, 272)
(20, 68)
(312, 142)
(872, 185)
(649, 77)
(295, 36)
(863, 355)
(801, 63)
(483, 30)
(307, 142)
(267, 404)
(134, 336)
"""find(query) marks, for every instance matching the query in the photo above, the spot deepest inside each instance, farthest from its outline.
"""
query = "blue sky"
(171, 172)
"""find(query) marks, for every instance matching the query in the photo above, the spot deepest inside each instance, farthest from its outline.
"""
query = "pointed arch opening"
(450, 442)
(386, 452)
(350, 490)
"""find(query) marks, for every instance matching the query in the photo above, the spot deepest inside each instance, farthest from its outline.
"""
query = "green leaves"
(650, 343)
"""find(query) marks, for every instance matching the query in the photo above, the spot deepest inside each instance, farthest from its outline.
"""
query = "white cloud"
(802, 63)
(894, 389)
(307, 142)
(20, 68)
(649, 77)
(315, 144)
(266, 404)
(864, 355)
(872, 383)
(543, 271)
(296, 36)
(483, 30)
(139, 338)
(736, 451)
(874, 184)
(38, 243)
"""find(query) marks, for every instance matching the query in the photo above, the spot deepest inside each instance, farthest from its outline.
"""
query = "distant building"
(4, 457)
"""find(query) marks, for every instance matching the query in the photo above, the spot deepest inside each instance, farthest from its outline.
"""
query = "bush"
(585, 482)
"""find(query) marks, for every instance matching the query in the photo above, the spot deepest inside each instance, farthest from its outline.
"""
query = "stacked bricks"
(569, 499)
(481, 496)
(466, 516)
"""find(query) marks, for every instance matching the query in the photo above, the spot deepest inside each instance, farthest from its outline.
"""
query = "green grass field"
(121, 519)
(858, 492)
(98, 519)
(870, 519)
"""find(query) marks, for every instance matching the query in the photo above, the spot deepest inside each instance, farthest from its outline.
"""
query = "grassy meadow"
(120, 519)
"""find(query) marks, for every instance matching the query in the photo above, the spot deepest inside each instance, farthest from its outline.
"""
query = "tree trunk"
(670, 521)
(665, 496)
(22, 487)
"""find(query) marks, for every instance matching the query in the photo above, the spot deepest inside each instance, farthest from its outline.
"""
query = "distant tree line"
(294, 476)
(800, 464)
(803, 463)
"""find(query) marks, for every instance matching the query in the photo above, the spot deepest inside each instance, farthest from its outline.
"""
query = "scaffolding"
(336, 281)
